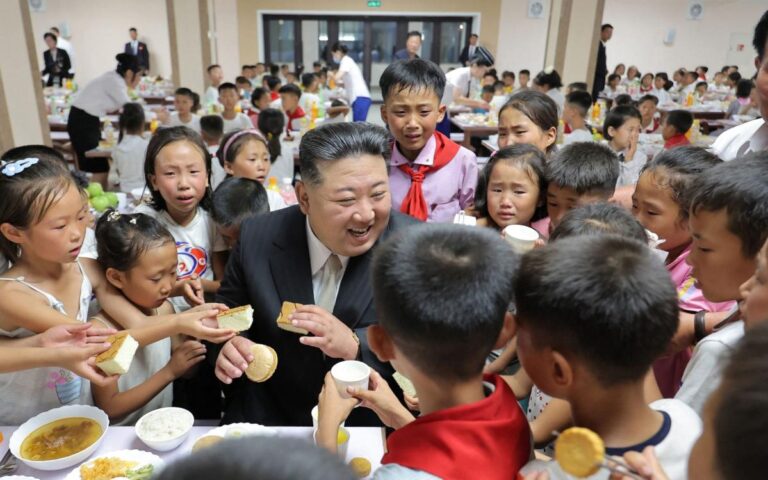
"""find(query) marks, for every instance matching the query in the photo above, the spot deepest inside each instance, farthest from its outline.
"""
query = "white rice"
(165, 424)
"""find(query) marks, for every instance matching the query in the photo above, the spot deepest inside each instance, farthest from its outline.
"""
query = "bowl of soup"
(59, 438)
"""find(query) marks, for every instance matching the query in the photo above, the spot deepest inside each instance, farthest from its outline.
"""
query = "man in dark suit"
(412, 46)
(138, 49)
(56, 61)
(317, 254)
(469, 50)
(601, 69)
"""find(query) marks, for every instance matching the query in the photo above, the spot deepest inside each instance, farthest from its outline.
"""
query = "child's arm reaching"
(119, 404)
(555, 417)
(504, 359)
(520, 383)
(199, 322)
(332, 410)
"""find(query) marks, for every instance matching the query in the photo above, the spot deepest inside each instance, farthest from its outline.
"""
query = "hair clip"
(113, 216)
(132, 221)
(549, 69)
(12, 168)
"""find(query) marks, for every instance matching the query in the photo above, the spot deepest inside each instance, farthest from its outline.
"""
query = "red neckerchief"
(676, 141)
(654, 125)
(414, 203)
(297, 113)
(489, 439)
(274, 95)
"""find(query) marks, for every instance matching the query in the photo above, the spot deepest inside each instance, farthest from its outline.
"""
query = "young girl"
(620, 70)
(511, 188)
(646, 83)
(529, 117)
(245, 153)
(622, 130)
(128, 157)
(184, 103)
(660, 204)
(177, 171)
(138, 256)
(272, 126)
(260, 100)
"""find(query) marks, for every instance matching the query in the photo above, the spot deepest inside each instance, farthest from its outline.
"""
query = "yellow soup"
(60, 439)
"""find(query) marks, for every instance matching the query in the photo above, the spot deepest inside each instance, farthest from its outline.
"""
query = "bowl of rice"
(165, 428)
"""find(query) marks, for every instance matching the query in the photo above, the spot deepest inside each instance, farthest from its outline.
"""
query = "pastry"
(361, 466)
(282, 319)
(579, 452)
(117, 359)
(238, 319)
(263, 365)
(404, 384)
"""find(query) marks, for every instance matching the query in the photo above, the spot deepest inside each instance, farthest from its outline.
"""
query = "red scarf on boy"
(676, 141)
(414, 203)
(489, 439)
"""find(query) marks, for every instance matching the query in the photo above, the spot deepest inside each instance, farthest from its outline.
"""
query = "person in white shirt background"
(660, 88)
(354, 84)
(310, 95)
(128, 156)
(465, 81)
(577, 105)
(65, 45)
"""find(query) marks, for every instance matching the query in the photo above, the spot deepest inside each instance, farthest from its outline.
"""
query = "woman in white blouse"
(102, 95)
(354, 84)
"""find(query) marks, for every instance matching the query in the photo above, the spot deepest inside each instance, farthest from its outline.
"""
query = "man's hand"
(233, 359)
(331, 335)
(383, 402)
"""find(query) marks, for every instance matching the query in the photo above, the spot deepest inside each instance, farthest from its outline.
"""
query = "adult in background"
(102, 95)
(354, 83)
(601, 68)
(469, 50)
(138, 49)
(317, 254)
(56, 61)
(65, 45)
(412, 47)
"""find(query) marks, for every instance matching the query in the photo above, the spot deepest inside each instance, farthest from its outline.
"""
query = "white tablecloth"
(365, 442)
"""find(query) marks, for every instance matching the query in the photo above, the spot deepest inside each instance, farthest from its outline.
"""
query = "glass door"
(382, 48)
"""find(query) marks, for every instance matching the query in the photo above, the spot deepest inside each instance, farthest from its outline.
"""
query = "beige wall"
(189, 45)
(582, 42)
(522, 40)
(251, 37)
(224, 45)
(99, 31)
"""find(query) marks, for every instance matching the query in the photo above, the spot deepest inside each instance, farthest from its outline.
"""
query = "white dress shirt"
(318, 255)
(737, 141)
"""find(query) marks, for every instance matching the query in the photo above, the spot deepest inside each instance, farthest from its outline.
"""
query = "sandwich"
(117, 359)
(405, 384)
(282, 319)
(263, 365)
(238, 319)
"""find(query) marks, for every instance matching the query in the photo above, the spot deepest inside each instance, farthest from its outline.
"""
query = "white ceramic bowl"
(167, 443)
(45, 418)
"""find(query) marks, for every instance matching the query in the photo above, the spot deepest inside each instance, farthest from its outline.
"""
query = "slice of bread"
(282, 319)
(238, 319)
(117, 359)
(405, 384)
(263, 365)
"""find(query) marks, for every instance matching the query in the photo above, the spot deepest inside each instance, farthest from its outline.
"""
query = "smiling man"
(316, 254)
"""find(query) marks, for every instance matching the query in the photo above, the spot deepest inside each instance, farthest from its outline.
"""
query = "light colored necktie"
(331, 273)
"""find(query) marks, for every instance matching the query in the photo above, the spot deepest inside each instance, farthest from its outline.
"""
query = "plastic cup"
(315, 412)
(522, 238)
(350, 373)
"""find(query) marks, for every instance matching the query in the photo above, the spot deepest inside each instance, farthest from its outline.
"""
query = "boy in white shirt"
(577, 105)
(215, 76)
(183, 101)
(230, 98)
(128, 156)
(310, 96)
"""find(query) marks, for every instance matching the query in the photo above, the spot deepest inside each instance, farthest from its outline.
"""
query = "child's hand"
(646, 464)
(202, 324)
(81, 361)
(383, 402)
(192, 291)
(634, 139)
(185, 356)
(411, 402)
(233, 359)
(75, 335)
(332, 408)
(162, 115)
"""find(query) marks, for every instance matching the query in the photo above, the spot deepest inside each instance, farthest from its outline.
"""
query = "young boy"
(235, 200)
(230, 98)
(580, 174)
(593, 313)
(577, 105)
(290, 95)
(674, 128)
(215, 77)
(243, 88)
(337, 112)
(311, 94)
(272, 83)
(183, 101)
(647, 106)
(431, 178)
(612, 88)
(212, 129)
(486, 95)
(729, 224)
(523, 78)
(508, 78)
(470, 425)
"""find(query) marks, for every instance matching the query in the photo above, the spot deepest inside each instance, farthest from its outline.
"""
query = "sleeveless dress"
(26, 393)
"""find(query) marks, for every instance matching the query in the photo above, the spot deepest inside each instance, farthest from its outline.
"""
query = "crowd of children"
(638, 314)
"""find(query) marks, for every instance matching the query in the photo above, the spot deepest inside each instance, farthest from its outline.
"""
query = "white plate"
(19, 477)
(139, 456)
(235, 430)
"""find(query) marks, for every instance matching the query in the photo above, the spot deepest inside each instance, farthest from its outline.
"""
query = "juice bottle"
(272, 185)
(153, 125)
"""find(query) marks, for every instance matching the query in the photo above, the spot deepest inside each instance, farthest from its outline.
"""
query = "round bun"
(361, 466)
(263, 365)
(579, 452)
(206, 441)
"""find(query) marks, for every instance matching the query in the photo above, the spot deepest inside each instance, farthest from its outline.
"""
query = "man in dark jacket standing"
(138, 49)
(601, 69)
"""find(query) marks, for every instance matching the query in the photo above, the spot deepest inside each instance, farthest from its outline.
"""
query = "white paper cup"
(350, 373)
(315, 416)
(522, 238)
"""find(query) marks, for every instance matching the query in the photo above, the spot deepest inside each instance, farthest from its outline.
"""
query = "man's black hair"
(761, 36)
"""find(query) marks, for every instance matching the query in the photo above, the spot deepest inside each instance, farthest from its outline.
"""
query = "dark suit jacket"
(402, 55)
(601, 70)
(464, 55)
(142, 54)
(56, 67)
(269, 265)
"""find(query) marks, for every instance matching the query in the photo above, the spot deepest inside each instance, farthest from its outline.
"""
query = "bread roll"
(238, 319)
(263, 365)
(282, 319)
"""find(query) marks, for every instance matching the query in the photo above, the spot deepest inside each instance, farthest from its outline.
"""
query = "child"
(128, 156)
(431, 178)
(271, 126)
(272, 83)
(623, 99)
(599, 219)
(183, 103)
(647, 107)
(620, 70)
(177, 171)
(486, 95)
(230, 100)
(529, 117)
(732, 82)
(701, 90)
(508, 78)
(580, 174)
(582, 304)
(622, 130)
(234, 201)
(523, 78)
(661, 85)
(549, 82)
(310, 96)
(612, 88)
(138, 256)
(442, 351)
(246, 154)
(337, 112)
(243, 88)
(633, 74)
(661, 204)
(511, 188)
(498, 90)
(742, 100)
(675, 126)
(260, 100)
(575, 114)
(290, 95)
(729, 224)
(215, 77)
(646, 83)
(211, 130)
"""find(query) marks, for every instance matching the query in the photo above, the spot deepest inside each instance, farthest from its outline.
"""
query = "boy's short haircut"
(448, 325)
(227, 86)
(578, 86)
(274, 69)
(599, 219)
(317, 64)
(585, 167)
(498, 84)
(272, 81)
(623, 99)
(692, 74)
(186, 92)
(242, 79)
(734, 77)
(131, 119)
(489, 89)
(307, 79)
(212, 125)
(507, 74)
(211, 67)
(236, 199)
(740, 188)
(290, 89)
(606, 300)
(648, 98)
(617, 116)
(580, 100)
(613, 76)
(416, 75)
(525, 71)
(761, 36)
(744, 88)
(681, 120)
(699, 84)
